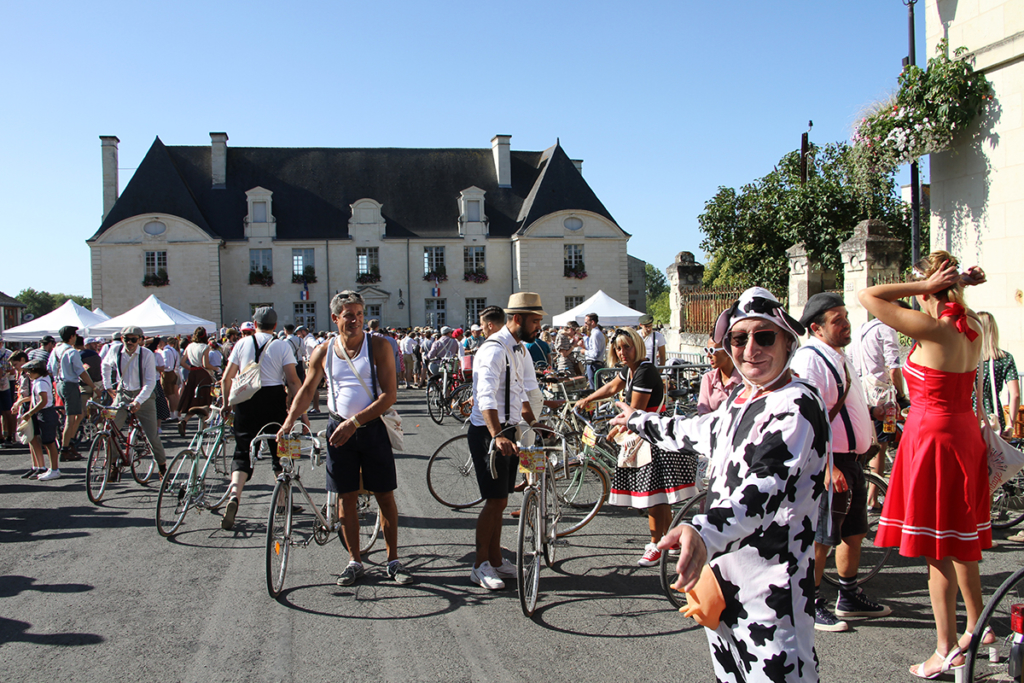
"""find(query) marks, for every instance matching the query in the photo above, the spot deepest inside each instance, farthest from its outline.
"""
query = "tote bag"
(1004, 461)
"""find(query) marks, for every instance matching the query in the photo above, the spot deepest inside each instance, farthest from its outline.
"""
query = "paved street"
(93, 593)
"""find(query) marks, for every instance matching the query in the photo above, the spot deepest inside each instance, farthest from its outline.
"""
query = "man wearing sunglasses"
(823, 363)
(135, 382)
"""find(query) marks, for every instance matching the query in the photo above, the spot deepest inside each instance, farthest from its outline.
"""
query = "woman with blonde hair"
(670, 476)
(998, 366)
(937, 505)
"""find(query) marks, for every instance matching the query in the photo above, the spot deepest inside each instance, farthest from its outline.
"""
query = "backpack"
(248, 381)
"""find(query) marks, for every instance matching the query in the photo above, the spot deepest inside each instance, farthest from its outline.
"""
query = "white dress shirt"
(875, 350)
(128, 371)
(810, 366)
(489, 378)
(594, 345)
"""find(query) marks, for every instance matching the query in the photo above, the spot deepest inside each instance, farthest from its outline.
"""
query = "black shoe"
(824, 620)
(67, 455)
(856, 604)
(31, 471)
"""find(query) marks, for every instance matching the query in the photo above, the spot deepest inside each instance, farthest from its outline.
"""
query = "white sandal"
(993, 647)
(947, 665)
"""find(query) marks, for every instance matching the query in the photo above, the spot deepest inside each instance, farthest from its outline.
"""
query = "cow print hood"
(758, 302)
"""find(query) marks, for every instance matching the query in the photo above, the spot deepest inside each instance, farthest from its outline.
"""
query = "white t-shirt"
(276, 354)
(171, 359)
(659, 342)
(42, 386)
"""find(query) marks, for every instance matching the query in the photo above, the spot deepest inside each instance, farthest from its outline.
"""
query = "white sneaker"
(485, 577)
(49, 474)
(507, 570)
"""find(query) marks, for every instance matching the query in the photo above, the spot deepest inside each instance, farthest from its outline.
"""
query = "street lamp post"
(915, 183)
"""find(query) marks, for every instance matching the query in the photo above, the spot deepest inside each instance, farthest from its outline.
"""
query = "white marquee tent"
(156, 319)
(609, 312)
(69, 313)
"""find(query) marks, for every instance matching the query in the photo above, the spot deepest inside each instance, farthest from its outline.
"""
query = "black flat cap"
(818, 304)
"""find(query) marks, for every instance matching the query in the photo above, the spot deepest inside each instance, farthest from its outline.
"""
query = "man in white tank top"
(361, 386)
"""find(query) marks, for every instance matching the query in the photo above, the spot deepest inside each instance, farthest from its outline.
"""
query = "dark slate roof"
(10, 301)
(313, 189)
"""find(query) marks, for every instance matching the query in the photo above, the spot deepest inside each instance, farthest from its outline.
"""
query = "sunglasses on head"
(765, 338)
(131, 340)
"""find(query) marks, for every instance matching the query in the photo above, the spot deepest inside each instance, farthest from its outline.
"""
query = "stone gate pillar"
(871, 253)
(684, 272)
(805, 279)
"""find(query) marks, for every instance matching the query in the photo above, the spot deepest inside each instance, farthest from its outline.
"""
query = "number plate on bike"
(109, 413)
(289, 447)
(532, 460)
(589, 436)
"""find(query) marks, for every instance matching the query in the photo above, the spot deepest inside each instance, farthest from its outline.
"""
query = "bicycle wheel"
(451, 476)
(369, 522)
(1008, 503)
(872, 559)
(550, 525)
(141, 453)
(667, 564)
(435, 401)
(279, 534)
(218, 478)
(528, 557)
(97, 469)
(996, 616)
(460, 402)
(174, 500)
(582, 489)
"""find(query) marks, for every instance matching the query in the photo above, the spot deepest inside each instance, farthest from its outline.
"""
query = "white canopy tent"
(609, 312)
(156, 319)
(69, 313)
(100, 312)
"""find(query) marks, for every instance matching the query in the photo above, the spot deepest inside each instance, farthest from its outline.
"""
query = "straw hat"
(525, 302)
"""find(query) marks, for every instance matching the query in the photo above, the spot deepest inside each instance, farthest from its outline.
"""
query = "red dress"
(938, 500)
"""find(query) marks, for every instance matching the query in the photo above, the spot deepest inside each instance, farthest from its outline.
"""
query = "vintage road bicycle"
(112, 452)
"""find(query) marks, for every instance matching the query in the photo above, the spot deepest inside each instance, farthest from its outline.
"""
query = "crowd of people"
(787, 415)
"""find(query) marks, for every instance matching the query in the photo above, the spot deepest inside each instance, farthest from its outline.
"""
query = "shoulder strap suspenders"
(508, 380)
(851, 439)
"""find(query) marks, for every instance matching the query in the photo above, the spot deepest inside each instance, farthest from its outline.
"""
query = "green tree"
(40, 303)
(747, 233)
(659, 308)
(656, 282)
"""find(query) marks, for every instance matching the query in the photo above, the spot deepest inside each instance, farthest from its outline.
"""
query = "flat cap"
(132, 331)
(646, 320)
(265, 317)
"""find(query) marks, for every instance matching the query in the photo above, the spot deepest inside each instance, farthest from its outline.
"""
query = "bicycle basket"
(532, 460)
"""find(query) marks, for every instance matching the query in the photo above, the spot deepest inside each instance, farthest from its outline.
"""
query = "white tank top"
(345, 395)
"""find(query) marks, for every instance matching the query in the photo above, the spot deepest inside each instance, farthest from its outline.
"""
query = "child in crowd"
(43, 414)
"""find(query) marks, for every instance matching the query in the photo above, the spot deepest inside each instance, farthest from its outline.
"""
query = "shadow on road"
(14, 631)
(13, 585)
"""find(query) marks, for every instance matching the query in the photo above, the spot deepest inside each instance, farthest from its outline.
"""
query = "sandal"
(993, 646)
(947, 665)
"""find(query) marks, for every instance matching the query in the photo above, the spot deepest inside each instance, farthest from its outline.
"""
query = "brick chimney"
(501, 147)
(219, 160)
(108, 152)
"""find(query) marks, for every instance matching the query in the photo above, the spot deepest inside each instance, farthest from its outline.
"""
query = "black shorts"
(46, 422)
(367, 451)
(266, 407)
(300, 370)
(6, 400)
(491, 488)
(854, 522)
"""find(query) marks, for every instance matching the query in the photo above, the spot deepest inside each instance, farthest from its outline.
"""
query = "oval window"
(573, 223)
(154, 228)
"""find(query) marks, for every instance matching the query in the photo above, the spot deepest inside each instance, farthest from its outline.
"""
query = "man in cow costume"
(768, 446)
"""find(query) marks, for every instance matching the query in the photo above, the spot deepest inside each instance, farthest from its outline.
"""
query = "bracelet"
(355, 421)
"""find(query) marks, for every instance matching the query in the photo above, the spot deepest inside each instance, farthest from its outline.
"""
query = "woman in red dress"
(937, 505)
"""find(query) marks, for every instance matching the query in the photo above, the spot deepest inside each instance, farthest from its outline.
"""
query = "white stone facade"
(977, 191)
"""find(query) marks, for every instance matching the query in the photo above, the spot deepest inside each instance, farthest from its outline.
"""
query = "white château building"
(428, 236)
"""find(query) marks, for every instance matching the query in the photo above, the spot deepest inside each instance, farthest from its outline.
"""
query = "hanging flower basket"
(438, 275)
(925, 116)
(160, 279)
(308, 275)
(368, 278)
(579, 271)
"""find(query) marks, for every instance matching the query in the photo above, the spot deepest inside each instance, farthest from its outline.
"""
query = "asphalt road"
(93, 593)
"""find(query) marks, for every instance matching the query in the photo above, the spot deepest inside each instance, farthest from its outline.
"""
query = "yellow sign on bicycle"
(532, 460)
(109, 413)
(589, 436)
(289, 447)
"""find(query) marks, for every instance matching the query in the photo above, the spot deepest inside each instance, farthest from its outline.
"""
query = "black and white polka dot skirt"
(667, 479)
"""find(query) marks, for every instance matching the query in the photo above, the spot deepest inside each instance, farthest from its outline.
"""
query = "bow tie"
(519, 348)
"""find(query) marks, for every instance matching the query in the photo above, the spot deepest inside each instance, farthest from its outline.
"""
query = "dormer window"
(259, 220)
(472, 219)
(259, 212)
(473, 211)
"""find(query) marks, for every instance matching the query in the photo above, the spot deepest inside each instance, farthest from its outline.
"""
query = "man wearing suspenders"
(822, 362)
(500, 404)
(653, 340)
(136, 380)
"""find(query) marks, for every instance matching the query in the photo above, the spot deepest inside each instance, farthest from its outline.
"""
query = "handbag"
(1004, 461)
(26, 432)
(634, 451)
(163, 410)
(392, 420)
(248, 381)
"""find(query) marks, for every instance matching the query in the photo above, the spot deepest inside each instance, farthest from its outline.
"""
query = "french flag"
(304, 294)
(435, 291)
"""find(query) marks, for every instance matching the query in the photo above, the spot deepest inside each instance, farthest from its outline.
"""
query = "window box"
(438, 275)
(370, 277)
(159, 279)
(261, 277)
(308, 275)
(478, 276)
(578, 271)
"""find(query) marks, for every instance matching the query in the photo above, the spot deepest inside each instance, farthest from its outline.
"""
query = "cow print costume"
(766, 476)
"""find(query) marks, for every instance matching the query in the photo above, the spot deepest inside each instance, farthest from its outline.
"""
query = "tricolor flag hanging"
(304, 294)
(435, 291)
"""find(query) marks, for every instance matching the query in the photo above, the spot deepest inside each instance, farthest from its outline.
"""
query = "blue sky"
(664, 101)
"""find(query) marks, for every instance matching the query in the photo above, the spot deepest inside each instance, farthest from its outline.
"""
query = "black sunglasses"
(131, 340)
(764, 338)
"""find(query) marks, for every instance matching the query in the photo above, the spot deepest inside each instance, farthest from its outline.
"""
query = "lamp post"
(915, 184)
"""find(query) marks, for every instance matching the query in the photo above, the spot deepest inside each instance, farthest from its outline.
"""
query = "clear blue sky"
(664, 101)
